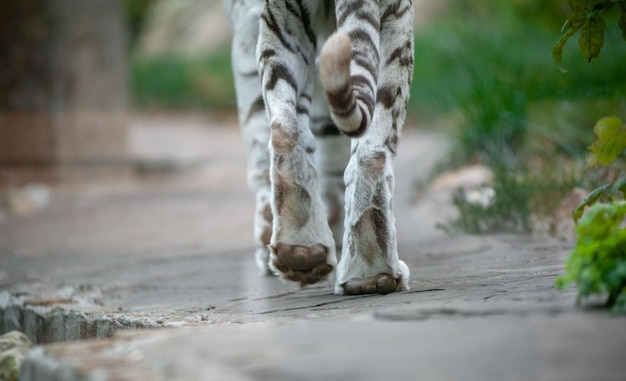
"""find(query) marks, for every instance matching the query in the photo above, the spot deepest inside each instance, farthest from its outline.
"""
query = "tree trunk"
(62, 84)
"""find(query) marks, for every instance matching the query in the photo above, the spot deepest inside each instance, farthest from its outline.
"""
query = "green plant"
(487, 74)
(587, 16)
(509, 106)
(597, 265)
(598, 262)
(609, 147)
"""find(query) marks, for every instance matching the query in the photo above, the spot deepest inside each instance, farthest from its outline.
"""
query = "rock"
(471, 183)
(483, 196)
(470, 177)
(13, 348)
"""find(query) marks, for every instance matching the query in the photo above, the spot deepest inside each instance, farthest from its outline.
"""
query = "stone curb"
(566, 347)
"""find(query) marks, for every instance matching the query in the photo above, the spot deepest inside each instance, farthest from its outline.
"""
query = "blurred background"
(123, 179)
(81, 82)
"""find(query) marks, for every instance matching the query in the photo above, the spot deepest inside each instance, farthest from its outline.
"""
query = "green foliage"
(183, 83)
(598, 263)
(601, 194)
(611, 141)
(609, 146)
(488, 76)
(484, 74)
(587, 17)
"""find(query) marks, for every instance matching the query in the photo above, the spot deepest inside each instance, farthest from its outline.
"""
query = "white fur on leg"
(368, 251)
(405, 275)
(299, 221)
(263, 229)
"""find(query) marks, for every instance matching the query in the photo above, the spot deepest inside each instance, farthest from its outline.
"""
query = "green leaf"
(591, 199)
(611, 141)
(619, 186)
(557, 51)
(603, 192)
(572, 25)
(591, 38)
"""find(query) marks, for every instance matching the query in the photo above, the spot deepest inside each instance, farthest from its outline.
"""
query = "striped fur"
(292, 122)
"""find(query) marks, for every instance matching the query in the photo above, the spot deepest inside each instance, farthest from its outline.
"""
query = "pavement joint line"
(322, 304)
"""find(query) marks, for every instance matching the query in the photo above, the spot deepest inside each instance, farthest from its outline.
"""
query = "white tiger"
(316, 189)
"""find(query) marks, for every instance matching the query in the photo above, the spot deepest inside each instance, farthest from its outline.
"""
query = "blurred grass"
(494, 72)
(485, 72)
(174, 82)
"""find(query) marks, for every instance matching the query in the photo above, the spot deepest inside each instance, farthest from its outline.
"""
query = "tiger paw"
(377, 284)
(302, 264)
(351, 283)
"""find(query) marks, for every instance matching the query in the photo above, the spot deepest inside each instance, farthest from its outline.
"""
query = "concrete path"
(171, 247)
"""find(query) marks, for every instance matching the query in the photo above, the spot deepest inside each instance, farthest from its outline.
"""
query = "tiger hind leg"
(331, 157)
(302, 248)
(255, 131)
(370, 261)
